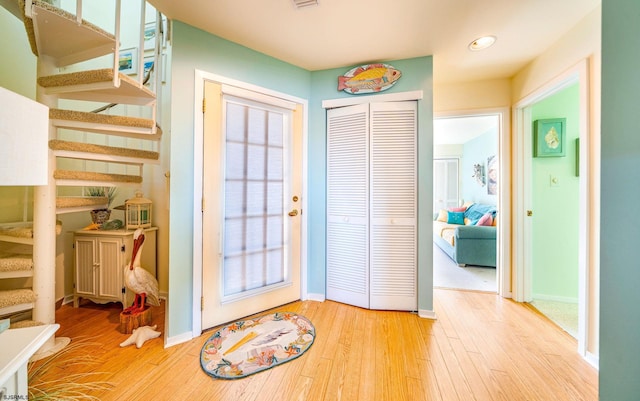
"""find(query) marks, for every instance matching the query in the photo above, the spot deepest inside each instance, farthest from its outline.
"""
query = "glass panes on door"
(254, 246)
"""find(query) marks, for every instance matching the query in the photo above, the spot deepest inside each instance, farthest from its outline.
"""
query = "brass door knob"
(294, 212)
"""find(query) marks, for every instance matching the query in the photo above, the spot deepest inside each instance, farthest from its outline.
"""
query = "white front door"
(251, 208)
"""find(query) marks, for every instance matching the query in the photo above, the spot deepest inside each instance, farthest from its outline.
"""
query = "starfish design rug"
(250, 346)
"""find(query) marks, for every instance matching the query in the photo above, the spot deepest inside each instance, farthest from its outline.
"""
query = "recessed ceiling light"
(482, 43)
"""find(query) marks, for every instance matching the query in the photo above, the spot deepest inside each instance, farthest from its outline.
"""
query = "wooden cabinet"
(100, 259)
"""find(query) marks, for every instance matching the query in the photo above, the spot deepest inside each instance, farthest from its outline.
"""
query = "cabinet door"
(110, 268)
(86, 266)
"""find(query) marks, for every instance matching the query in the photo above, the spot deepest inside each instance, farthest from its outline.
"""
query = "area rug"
(250, 346)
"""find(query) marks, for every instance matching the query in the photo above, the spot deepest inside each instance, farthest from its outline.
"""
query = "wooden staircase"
(61, 39)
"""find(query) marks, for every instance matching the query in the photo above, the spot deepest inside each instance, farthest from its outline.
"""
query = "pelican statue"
(139, 280)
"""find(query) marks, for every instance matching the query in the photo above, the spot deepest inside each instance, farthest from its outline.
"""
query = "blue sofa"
(472, 244)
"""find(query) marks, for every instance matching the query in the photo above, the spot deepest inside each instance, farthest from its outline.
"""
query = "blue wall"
(417, 74)
(196, 49)
(620, 191)
(477, 151)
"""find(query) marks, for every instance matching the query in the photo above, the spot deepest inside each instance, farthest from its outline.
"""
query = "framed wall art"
(549, 137)
(128, 61)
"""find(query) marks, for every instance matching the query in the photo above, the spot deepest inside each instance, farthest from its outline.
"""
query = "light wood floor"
(481, 347)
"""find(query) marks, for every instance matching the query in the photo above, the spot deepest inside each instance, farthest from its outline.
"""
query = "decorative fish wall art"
(368, 78)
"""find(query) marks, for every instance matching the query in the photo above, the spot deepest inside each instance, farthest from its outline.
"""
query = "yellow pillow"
(443, 215)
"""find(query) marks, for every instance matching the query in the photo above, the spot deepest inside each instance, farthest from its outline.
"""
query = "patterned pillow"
(455, 218)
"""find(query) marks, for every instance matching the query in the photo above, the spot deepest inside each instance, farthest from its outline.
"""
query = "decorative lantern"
(137, 212)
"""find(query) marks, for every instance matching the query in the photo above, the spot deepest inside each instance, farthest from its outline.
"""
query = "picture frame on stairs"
(128, 61)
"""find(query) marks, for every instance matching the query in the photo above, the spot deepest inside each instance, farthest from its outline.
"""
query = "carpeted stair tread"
(28, 22)
(25, 323)
(16, 297)
(98, 86)
(93, 176)
(15, 262)
(80, 201)
(71, 115)
(57, 144)
(85, 77)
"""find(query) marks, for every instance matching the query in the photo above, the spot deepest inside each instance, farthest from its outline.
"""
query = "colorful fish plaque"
(369, 78)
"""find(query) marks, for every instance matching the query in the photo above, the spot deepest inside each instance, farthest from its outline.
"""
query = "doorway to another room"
(466, 197)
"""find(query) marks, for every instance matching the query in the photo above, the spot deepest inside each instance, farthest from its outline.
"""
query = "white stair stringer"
(59, 39)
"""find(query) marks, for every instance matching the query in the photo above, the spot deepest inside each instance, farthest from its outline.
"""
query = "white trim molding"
(427, 314)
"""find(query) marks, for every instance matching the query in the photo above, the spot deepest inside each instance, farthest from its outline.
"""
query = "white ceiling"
(342, 33)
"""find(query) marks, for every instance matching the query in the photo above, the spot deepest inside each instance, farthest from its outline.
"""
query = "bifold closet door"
(371, 205)
(348, 205)
(393, 206)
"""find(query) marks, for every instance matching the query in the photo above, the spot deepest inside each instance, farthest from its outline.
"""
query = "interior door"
(348, 205)
(251, 206)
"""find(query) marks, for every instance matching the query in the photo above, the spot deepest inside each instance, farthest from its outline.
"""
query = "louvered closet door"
(347, 205)
(393, 254)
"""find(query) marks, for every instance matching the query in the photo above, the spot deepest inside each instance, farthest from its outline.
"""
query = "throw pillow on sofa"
(485, 220)
(455, 218)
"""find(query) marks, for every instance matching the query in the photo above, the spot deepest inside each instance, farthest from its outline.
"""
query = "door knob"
(294, 212)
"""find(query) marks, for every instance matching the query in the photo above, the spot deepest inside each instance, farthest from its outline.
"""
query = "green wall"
(620, 191)
(555, 208)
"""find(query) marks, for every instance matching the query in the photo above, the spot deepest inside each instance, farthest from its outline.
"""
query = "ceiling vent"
(305, 3)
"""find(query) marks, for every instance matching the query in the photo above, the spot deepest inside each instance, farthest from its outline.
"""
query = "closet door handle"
(294, 212)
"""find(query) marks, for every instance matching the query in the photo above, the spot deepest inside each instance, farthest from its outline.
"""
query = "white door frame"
(522, 148)
(503, 239)
(198, 141)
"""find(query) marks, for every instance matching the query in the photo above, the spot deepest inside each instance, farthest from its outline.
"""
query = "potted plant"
(99, 216)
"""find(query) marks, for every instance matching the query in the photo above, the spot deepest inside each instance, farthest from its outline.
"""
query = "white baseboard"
(594, 360)
(427, 314)
(179, 339)
(545, 297)
(315, 297)
(67, 299)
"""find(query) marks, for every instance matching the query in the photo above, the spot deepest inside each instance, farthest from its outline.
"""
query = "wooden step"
(88, 151)
(98, 86)
(57, 33)
(77, 178)
(131, 127)
(13, 301)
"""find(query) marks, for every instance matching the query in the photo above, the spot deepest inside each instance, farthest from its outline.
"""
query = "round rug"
(250, 346)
